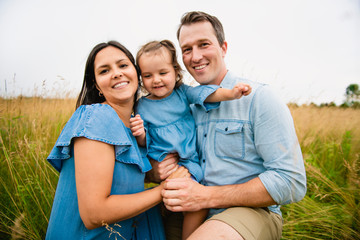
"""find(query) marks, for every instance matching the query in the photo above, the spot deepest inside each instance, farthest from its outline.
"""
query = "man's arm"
(283, 181)
(187, 195)
(277, 144)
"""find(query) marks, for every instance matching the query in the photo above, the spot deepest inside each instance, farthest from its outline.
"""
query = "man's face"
(202, 55)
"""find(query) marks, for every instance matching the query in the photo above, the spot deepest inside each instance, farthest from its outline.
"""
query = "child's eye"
(146, 76)
(163, 73)
(123, 65)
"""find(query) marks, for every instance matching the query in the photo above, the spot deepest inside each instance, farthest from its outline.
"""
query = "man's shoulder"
(261, 92)
(231, 79)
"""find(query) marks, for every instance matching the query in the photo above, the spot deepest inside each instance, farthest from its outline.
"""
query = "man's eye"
(204, 44)
(186, 50)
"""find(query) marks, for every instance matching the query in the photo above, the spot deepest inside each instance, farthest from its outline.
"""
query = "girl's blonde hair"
(169, 46)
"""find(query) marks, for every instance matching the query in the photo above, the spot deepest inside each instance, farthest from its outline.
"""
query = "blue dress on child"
(101, 123)
(171, 127)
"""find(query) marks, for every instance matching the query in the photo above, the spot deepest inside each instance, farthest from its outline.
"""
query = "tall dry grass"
(29, 129)
(329, 137)
(325, 123)
(330, 142)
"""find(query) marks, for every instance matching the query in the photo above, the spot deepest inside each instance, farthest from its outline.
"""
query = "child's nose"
(157, 79)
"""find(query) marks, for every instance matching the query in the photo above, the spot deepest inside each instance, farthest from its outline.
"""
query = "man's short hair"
(197, 16)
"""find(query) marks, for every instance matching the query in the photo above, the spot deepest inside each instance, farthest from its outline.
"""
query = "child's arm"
(224, 94)
(138, 130)
(192, 220)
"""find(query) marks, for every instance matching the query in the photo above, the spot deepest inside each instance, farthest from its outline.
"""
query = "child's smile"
(157, 73)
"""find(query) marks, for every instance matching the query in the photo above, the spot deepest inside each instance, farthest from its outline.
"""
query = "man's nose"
(196, 55)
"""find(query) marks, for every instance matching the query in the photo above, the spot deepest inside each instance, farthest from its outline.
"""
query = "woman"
(100, 192)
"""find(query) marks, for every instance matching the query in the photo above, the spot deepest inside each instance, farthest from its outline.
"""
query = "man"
(248, 148)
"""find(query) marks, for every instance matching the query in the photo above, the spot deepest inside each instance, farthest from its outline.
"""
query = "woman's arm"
(94, 167)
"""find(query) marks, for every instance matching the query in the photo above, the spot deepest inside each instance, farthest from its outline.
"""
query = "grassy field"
(329, 138)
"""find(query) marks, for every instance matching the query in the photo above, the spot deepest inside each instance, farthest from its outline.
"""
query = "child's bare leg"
(192, 220)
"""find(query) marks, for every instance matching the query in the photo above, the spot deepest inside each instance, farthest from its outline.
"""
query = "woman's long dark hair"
(89, 94)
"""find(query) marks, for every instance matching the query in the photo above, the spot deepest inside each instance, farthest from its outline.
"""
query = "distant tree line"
(352, 99)
(352, 96)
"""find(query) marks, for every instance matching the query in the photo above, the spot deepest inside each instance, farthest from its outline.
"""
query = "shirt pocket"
(229, 140)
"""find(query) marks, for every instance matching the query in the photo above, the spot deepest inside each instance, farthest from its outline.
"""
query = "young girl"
(166, 115)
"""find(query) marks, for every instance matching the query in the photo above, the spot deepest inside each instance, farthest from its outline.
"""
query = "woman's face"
(115, 75)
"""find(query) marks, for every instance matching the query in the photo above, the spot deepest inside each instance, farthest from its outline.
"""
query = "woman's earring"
(100, 94)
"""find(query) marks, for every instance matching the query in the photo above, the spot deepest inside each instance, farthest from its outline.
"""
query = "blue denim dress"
(171, 127)
(100, 122)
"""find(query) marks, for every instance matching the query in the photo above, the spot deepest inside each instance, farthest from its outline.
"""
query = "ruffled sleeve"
(197, 95)
(101, 123)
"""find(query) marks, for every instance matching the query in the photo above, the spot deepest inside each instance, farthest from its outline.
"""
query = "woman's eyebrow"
(107, 65)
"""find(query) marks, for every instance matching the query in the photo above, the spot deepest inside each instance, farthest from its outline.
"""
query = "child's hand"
(137, 126)
(181, 172)
(241, 89)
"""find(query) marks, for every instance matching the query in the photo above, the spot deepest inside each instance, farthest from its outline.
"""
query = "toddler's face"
(157, 73)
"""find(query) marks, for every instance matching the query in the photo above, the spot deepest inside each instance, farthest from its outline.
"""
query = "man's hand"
(161, 170)
(183, 194)
(241, 89)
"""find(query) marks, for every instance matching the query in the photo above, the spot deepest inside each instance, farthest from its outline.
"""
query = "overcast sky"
(307, 50)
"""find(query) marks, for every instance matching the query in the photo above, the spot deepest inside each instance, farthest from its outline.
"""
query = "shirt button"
(205, 135)
(203, 160)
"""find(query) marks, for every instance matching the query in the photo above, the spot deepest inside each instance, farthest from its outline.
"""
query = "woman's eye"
(123, 65)
(103, 71)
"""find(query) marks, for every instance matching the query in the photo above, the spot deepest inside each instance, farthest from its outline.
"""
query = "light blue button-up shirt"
(251, 137)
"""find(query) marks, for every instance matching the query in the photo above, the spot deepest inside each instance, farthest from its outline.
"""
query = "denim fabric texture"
(101, 123)
(253, 136)
(170, 126)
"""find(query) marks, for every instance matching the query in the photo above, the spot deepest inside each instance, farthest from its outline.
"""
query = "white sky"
(307, 50)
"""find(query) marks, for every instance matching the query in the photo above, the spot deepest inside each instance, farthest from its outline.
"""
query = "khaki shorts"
(252, 223)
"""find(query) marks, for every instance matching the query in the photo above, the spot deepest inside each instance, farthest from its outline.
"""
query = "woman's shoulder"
(96, 122)
(95, 109)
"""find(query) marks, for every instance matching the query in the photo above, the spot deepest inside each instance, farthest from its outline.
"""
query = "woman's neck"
(124, 111)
